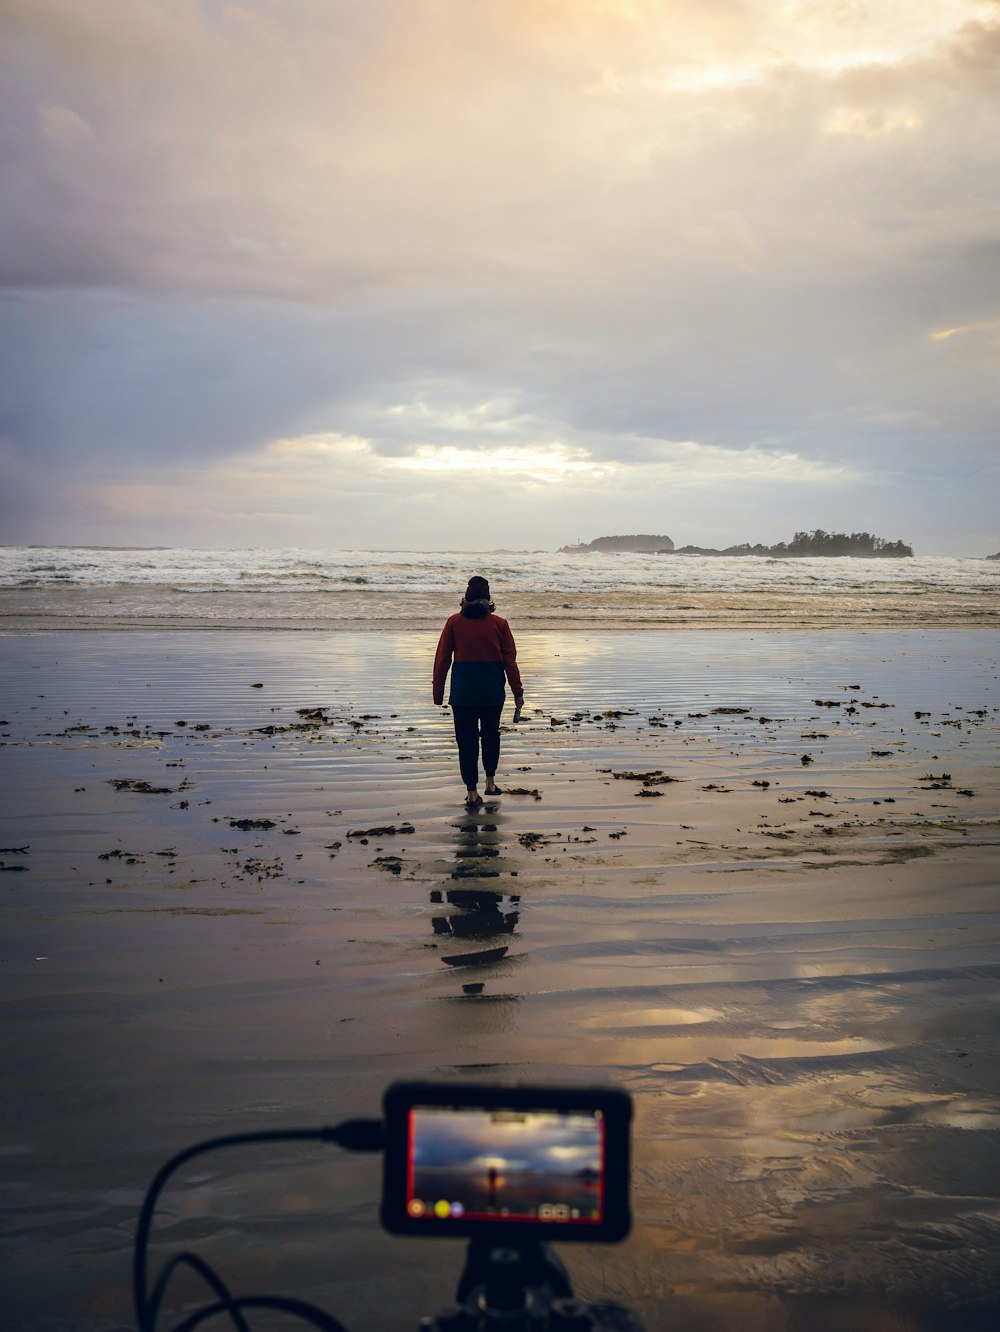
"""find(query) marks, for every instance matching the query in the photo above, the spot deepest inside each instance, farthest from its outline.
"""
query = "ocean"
(743, 867)
(86, 587)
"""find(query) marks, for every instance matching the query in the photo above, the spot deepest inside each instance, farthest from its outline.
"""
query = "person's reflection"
(482, 910)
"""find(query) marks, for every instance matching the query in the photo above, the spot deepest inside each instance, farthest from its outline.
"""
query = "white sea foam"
(252, 569)
(288, 588)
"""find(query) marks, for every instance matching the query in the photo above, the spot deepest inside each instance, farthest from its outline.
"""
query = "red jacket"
(483, 652)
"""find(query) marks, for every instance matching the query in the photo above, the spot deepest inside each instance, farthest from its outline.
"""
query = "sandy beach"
(749, 877)
(866, 606)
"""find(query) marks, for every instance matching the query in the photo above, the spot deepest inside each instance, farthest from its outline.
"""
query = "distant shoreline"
(817, 544)
(767, 553)
(576, 548)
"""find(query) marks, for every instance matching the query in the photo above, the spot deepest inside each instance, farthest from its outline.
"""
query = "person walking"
(477, 646)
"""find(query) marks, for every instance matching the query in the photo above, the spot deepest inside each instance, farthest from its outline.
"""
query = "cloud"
(542, 463)
(317, 151)
(976, 326)
(500, 230)
(325, 489)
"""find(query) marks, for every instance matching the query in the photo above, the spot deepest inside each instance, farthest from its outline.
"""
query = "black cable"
(354, 1135)
(208, 1275)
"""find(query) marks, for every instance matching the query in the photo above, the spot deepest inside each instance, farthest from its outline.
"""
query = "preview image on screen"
(500, 1164)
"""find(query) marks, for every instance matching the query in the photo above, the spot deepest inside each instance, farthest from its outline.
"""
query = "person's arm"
(442, 660)
(509, 650)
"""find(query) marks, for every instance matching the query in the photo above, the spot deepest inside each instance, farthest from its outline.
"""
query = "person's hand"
(518, 701)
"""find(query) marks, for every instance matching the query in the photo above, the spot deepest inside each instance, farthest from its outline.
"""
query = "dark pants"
(473, 725)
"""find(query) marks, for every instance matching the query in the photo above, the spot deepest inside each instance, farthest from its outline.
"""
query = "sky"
(477, 1139)
(499, 274)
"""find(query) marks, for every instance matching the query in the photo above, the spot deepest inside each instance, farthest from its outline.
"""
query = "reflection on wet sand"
(794, 969)
(482, 910)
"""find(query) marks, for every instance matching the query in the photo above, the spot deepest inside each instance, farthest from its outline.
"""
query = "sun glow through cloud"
(543, 463)
(975, 326)
(869, 122)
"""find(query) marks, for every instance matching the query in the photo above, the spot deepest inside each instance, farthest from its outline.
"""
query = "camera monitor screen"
(462, 1161)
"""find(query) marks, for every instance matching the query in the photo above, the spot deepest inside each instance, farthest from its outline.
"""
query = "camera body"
(513, 1165)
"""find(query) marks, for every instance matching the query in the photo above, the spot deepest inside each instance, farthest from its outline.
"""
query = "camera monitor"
(521, 1162)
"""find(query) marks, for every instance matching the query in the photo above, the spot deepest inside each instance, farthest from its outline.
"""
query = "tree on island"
(860, 544)
(641, 543)
(839, 543)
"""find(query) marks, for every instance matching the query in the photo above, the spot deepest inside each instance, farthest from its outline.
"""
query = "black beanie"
(478, 589)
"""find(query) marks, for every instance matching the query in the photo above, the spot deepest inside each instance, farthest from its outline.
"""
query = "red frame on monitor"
(538, 1162)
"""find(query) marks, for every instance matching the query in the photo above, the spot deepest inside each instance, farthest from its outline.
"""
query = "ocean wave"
(632, 588)
(33, 580)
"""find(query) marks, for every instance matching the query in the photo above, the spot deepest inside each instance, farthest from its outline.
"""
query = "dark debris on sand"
(144, 787)
(383, 830)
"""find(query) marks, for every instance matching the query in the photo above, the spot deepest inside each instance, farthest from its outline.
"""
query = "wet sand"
(750, 877)
(865, 607)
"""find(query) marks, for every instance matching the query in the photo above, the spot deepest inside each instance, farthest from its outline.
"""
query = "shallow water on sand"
(793, 966)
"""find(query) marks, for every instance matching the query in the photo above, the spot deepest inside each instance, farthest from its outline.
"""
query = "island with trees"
(803, 545)
(644, 544)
